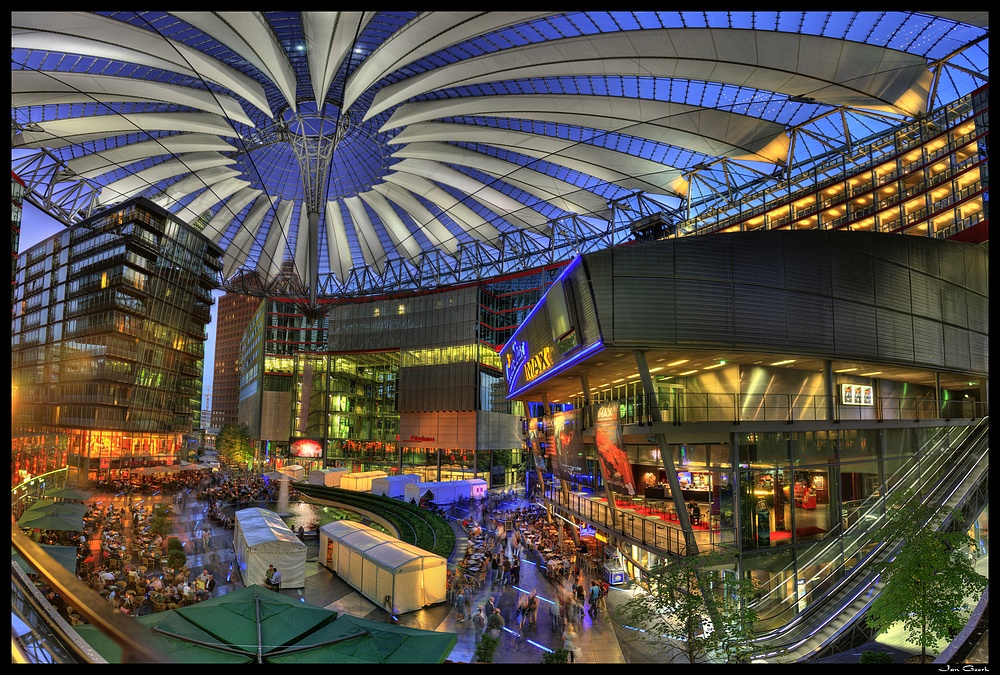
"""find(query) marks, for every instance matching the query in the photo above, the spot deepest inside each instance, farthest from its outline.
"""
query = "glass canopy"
(350, 153)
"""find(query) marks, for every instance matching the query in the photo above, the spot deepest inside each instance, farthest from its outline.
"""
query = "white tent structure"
(393, 486)
(445, 492)
(361, 481)
(328, 477)
(396, 576)
(478, 487)
(294, 471)
(261, 538)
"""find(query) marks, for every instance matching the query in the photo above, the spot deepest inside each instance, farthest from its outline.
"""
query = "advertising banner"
(611, 450)
(535, 430)
(568, 462)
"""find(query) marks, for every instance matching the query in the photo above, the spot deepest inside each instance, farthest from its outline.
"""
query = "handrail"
(131, 636)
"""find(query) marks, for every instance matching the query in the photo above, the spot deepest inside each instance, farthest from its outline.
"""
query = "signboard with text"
(611, 450)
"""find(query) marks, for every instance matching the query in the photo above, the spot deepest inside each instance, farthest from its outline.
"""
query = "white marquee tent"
(361, 481)
(261, 538)
(393, 486)
(328, 477)
(396, 576)
(445, 492)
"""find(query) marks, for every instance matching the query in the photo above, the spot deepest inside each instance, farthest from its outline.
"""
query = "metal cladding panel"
(854, 330)
(925, 294)
(806, 269)
(976, 268)
(704, 312)
(957, 349)
(922, 257)
(954, 309)
(705, 258)
(928, 340)
(952, 263)
(979, 350)
(852, 277)
(895, 335)
(979, 313)
(443, 387)
(583, 303)
(753, 263)
(892, 286)
(760, 317)
(644, 311)
(811, 322)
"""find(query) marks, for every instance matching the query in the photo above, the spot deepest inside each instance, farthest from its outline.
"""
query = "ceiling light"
(845, 370)
(620, 379)
(690, 372)
(782, 363)
(677, 363)
(653, 370)
(874, 372)
(714, 365)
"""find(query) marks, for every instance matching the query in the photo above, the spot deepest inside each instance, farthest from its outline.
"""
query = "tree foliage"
(929, 583)
(234, 444)
(673, 613)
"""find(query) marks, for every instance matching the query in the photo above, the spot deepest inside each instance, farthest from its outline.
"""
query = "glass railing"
(741, 408)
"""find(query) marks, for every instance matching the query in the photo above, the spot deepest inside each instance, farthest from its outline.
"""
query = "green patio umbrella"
(235, 627)
(68, 493)
(64, 555)
(53, 516)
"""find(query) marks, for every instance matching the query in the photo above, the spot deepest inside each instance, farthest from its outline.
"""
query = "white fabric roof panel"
(480, 128)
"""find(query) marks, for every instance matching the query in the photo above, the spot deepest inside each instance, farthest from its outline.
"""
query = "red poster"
(535, 442)
(611, 450)
(568, 462)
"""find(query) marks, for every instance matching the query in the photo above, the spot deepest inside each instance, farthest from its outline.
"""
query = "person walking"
(495, 623)
(569, 642)
(478, 624)
(489, 607)
(495, 566)
(506, 571)
(595, 598)
(515, 572)
(268, 575)
(276, 580)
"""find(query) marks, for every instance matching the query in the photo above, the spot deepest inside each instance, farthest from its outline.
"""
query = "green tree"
(673, 611)
(928, 584)
(234, 444)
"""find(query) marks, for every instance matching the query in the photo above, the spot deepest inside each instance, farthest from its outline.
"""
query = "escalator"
(834, 621)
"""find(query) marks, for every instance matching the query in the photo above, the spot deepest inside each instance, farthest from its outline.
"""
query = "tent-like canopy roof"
(255, 625)
(344, 153)
(263, 529)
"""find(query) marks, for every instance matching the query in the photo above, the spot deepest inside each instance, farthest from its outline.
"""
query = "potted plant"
(558, 656)
(176, 558)
(486, 648)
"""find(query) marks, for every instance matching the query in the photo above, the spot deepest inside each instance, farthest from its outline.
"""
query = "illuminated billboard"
(305, 447)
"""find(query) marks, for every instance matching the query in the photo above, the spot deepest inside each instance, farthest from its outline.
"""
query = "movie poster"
(535, 443)
(611, 450)
(568, 462)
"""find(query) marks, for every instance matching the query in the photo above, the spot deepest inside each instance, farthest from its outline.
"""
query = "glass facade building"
(108, 342)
